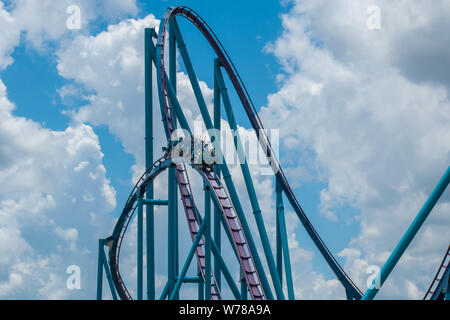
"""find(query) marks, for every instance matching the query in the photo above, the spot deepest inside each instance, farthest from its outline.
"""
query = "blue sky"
(348, 101)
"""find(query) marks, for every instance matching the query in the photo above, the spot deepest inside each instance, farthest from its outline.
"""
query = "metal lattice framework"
(219, 189)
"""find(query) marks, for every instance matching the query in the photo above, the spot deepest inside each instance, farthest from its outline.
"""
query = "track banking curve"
(219, 193)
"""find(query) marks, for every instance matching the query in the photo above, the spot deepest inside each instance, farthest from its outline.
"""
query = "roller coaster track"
(433, 291)
(129, 210)
(220, 196)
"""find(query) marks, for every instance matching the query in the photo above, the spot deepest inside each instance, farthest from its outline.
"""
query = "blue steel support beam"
(196, 279)
(171, 238)
(150, 212)
(284, 240)
(165, 292)
(279, 249)
(191, 253)
(227, 175)
(222, 265)
(217, 213)
(408, 236)
(201, 286)
(173, 81)
(155, 202)
(173, 196)
(140, 252)
(100, 270)
(108, 272)
(244, 288)
(250, 187)
(150, 223)
(207, 241)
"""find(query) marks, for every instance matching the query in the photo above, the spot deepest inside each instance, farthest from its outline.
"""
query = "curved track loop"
(115, 241)
(438, 277)
(351, 289)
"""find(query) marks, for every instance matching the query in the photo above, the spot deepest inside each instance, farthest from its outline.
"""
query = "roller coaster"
(206, 159)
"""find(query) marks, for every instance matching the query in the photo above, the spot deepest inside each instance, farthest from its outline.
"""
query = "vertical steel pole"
(108, 273)
(171, 231)
(279, 247)
(243, 287)
(408, 236)
(207, 242)
(201, 291)
(100, 270)
(217, 212)
(173, 196)
(164, 292)
(149, 209)
(284, 240)
(189, 258)
(140, 244)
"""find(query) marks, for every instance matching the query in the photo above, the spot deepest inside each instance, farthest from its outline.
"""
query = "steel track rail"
(351, 289)
(439, 276)
(234, 225)
(115, 241)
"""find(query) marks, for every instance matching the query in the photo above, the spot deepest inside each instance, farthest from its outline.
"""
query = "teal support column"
(150, 219)
(173, 81)
(165, 292)
(171, 232)
(207, 242)
(225, 170)
(172, 176)
(201, 285)
(250, 187)
(408, 236)
(281, 223)
(279, 248)
(100, 270)
(191, 253)
(108, 273)
(217, 212)
(244, 288)
(140, 254)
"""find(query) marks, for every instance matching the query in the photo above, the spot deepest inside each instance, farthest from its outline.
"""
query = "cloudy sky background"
(364, 119)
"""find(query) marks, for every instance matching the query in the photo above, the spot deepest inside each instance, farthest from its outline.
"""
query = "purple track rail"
(222, 199)
(437, 278)
(351, 289)
(193, 222)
